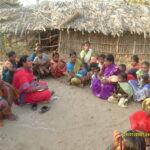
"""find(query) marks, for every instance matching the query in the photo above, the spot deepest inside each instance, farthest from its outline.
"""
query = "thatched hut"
(116, 28)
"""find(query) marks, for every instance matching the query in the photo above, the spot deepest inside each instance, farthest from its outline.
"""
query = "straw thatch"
(98, 17)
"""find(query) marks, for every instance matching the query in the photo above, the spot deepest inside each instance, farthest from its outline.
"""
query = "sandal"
(44, 109)
(34, 107)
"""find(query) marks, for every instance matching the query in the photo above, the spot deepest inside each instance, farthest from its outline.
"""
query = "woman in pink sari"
(30, 90)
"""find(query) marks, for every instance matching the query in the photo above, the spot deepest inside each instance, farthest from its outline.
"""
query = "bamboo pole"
(134, 45)
(39, 38)
(59, 42)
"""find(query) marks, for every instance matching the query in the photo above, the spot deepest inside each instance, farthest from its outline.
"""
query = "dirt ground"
(76, 121)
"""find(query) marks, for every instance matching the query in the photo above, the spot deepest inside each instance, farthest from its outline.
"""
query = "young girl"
(141, 72)
(58, 66)
(135, 67)
(100, 60)
(9, 67)
(86, 53)
(41, 63)
(122, 67)
(123, 92)
(83, 70)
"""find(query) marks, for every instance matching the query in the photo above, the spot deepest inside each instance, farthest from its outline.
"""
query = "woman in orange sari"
(58, 66)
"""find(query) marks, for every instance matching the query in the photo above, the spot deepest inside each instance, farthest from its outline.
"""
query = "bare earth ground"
(76, 121)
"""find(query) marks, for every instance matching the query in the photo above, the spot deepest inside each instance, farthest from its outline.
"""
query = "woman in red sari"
(58, 66)
(30, 90)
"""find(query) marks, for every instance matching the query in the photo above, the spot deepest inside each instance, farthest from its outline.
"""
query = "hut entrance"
(49, 40)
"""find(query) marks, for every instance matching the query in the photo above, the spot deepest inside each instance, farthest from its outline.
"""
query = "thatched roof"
(108, 18)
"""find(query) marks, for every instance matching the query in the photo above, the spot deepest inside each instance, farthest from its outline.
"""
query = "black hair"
(22, 60)
(55, 54)
(145, 77)
(86, 65)
(93, 65)
(98, 68)
(123, 66)
(134, 142)
(101, 56)
(123, 75)
(10, 54)
(146, 63)
(86, 42)
(73, 54)
(110, 58)
(135, 58)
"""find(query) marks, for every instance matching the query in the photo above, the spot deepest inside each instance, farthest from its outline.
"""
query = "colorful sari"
(7, 75)
(105, 91)
(75, 68)
(140, 94)
(8, 94)
(57, 68)
(24, 82)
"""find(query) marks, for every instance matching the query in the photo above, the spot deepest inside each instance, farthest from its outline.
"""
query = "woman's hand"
(104, 81)
(44, 87)
(117, 140)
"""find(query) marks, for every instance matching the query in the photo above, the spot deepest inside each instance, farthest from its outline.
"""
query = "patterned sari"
(24, 82)
(107, 90)
(57, 68)
(8, 94)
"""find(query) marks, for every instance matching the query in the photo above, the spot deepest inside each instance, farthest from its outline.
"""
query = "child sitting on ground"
(123, 92)
(141, 72)
(122, 67)
(82, 74)
(83, 70)
(41, 63)
(100, 60)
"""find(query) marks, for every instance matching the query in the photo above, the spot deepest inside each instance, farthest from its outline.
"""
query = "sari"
(7, 75)
(8, 94)
(139, 121)
(75, 68)
(140, 94)
(57, 68)
(24, 82)
(105, 91)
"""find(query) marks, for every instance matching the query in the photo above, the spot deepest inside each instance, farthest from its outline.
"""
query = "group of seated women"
(107, 80)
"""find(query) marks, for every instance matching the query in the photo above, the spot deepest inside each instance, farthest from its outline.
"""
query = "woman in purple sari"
(104, 88)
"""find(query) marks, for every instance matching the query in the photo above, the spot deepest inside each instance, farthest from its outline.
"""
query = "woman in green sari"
(73, 67)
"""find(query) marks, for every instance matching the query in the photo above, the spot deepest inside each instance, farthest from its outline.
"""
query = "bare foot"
(1, 123)
(11, 117)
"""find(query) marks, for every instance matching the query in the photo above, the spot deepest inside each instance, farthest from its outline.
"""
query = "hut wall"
(124, 46)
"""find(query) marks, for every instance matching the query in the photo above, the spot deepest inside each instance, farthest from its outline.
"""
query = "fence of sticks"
(122, 47)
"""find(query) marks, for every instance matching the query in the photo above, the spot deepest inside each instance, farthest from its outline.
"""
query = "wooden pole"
(59, 42)
(39, 38)
(134, 44)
